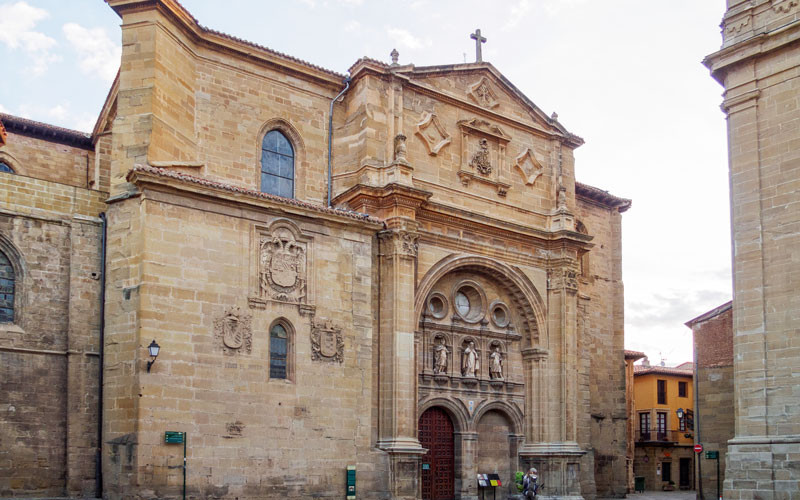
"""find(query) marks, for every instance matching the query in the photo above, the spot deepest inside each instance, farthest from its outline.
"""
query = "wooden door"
(438, 464)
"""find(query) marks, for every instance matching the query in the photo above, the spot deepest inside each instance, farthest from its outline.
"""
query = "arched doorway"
(438, 464)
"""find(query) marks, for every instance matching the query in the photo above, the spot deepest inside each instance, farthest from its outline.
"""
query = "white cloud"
(99, 55)
(17, 32)
(308, 3)
(518, 12)
(58, 112)
(4, 109)
(406, 39)
(351, 3)
(554, 7)
(352, 26)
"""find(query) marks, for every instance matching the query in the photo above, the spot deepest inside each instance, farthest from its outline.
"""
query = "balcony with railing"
(655, 437)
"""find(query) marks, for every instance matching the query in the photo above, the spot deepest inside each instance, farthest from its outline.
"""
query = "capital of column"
(401, 242)
(562, 279)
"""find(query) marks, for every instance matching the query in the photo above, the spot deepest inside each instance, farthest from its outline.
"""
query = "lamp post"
(153, 348)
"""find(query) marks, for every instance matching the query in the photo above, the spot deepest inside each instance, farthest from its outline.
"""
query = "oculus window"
(277, 165)
(5, 168)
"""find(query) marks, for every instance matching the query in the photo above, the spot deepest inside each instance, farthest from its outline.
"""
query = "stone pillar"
(397, 429)
(468, 453)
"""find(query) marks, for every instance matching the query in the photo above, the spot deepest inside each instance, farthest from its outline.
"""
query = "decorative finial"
(395, 55)
(478, 41)
(554, 116)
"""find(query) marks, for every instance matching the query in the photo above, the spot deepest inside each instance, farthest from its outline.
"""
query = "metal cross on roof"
(478, 41)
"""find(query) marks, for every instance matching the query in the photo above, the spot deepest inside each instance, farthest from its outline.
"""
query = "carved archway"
(524, 294)
(457, 412)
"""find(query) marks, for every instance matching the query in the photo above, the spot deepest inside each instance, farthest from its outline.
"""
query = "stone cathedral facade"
(445, 301)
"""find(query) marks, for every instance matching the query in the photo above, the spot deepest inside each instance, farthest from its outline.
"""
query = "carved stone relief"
(784, 6)
(432, 133)
(282, 266)
(480, 160)
(327, 342)
(481, 92)
(529, 166)
(483, 150)
(234, 330)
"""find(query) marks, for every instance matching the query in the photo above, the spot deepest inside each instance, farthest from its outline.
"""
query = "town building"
(758, 65)
(631, 357)
(664, 418)
(421, 291)
(713, 393)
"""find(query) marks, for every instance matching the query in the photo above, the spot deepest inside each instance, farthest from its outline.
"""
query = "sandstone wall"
(49, 355)
(49, 161)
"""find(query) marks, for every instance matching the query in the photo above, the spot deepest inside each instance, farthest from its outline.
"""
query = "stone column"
(397, 429)
(468, 454)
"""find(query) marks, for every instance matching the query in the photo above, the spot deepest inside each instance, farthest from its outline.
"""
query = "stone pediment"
(482, 85)
(484, 127)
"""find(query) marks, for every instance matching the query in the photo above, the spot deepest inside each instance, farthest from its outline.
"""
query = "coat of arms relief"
(327, 342)
(235, 330)
(282, 266)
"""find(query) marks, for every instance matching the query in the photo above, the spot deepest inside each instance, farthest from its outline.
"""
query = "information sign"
(712, 455)
(173, 437)
(351, 482)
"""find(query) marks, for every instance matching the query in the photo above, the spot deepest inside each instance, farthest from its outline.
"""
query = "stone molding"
(432, 133)
(399, 242)
(483, 94)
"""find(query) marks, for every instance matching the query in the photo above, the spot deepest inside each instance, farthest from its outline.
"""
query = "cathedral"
(259, 278)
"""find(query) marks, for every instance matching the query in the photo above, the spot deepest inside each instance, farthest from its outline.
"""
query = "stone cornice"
(159, 179)
(762, 41)
(223, 41)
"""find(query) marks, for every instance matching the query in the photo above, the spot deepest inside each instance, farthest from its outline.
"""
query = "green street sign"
(173, 437)
(712, 455)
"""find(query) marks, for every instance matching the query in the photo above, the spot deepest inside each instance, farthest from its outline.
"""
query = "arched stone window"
(7, 284)
(280, 349)
(5, 168)
(277, 165)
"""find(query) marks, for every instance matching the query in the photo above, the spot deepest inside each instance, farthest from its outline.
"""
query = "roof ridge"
(20, 125)
(162, 172)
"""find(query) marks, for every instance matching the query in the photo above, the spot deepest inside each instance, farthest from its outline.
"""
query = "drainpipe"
(330, 137)
(99, 456)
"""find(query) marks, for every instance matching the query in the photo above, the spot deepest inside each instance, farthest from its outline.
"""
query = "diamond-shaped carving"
(529, 166)
(432, 133)
(482, 93)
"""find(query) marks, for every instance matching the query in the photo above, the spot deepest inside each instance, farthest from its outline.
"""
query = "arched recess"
(288, 371)
(300, 162)
(458, 413)
(20, 274)
(513, 414)
(526, 297)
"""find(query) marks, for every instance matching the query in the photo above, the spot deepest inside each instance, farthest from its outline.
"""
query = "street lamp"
(153, 348)
(680, 413)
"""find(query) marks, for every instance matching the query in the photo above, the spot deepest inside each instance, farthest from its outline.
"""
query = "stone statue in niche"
(480, 160)
(440, 357)
(469, 361)
(282, 263)
(235, 331)
(496, 363)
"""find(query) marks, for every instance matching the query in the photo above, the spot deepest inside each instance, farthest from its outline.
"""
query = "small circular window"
(500, 315)
(469, 302)
(437, 306)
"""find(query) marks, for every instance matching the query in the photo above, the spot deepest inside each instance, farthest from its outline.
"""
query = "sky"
(625, 75)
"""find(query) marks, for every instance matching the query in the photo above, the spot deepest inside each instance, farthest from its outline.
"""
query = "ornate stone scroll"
(784, 6)
(529, 167)
(481, 92)
(282, 266)
(235, 331)
(432, 133)
(327, 343)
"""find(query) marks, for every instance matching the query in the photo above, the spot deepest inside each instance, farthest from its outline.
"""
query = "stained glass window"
(277, 165)
(278, 347)
(6, 290)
